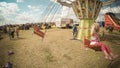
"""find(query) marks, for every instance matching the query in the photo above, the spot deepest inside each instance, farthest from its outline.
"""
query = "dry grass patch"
(55, 51)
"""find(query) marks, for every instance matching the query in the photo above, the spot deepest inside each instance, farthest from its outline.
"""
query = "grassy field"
(56, 51)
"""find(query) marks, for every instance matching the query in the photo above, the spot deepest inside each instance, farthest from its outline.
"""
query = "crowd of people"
(12, 32)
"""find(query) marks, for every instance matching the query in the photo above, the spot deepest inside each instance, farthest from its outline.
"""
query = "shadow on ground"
(114, 64)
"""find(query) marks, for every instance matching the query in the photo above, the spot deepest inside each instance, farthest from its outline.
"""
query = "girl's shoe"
(116, 56)
(108, 58)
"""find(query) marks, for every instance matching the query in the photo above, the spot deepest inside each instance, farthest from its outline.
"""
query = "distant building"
(66, 21)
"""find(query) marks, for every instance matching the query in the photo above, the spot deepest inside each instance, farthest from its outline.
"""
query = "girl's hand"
(97, 36)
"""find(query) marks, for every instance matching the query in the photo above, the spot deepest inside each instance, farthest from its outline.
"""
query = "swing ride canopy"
(87, 11)
(86, 8)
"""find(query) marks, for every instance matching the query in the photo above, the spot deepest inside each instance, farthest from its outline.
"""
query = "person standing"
(17, 32)
(75, 31)
(11, 32)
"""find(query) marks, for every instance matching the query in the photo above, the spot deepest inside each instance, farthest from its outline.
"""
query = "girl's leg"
(74, 35)
(114, 56)
(17, 35)
(105, 50)
(12, 35)
(104, 47)
(107, 56)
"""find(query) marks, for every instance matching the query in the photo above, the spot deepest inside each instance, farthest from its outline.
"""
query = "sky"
(29, 11)
(18, 11)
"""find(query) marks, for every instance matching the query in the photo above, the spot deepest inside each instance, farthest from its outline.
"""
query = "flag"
(38, 32)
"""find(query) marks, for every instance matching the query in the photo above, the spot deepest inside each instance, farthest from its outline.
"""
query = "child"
(95, 40)
(11, 32)
(74, 31)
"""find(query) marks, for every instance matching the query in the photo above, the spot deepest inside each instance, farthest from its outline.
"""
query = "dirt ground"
(56, 51)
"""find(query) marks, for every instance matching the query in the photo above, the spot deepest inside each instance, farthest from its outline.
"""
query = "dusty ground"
(56, 51)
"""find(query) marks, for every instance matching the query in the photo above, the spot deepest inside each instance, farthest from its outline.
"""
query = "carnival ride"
(112, 20)
(87, 11)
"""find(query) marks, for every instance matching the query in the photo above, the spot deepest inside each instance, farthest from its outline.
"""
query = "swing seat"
(94, 47)
(38, 32)
(41, 34)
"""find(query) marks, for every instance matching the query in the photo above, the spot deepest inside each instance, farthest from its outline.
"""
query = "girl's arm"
(98, 37)
(92, 30)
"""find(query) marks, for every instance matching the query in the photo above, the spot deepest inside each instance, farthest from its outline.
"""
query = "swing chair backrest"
(86, 42)
(94, 47)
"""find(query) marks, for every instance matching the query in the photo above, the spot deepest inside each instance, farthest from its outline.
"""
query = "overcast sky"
(21, 11)
(28, 11)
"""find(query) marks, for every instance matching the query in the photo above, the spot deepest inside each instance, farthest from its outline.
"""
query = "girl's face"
(94, 28)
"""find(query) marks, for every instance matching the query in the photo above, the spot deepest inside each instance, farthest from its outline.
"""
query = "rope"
(52, 12)
(68, 13)
(46, 17)
(52, 17)
(56, 13)
(46, 9)
(49, 11)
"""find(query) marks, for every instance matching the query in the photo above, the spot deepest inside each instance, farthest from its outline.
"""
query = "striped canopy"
(87, 8)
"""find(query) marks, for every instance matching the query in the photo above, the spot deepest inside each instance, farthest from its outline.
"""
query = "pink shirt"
(94, 39)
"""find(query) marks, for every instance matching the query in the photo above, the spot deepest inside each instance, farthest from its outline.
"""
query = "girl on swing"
(95, 40)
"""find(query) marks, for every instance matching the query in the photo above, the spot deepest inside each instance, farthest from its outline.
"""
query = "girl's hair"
(95, 28)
